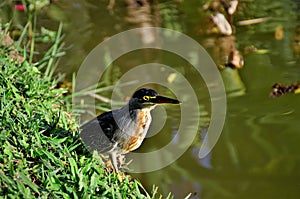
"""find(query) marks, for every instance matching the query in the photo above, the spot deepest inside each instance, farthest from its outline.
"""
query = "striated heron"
(120, 131)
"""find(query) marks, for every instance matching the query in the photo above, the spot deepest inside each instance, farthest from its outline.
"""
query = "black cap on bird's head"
(149, 97)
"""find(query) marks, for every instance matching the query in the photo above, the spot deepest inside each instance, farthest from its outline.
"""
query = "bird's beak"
(164, 100)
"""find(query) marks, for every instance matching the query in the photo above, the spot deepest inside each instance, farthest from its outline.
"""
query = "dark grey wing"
(97, 134)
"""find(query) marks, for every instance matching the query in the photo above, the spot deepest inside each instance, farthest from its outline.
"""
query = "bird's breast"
(142, 121)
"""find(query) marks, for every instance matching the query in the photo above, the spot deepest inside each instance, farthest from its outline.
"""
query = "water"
(257, 155)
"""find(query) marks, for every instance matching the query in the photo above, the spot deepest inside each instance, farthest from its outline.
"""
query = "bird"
(123, 130)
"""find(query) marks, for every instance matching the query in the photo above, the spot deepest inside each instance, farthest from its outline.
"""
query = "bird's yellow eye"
(146, 98)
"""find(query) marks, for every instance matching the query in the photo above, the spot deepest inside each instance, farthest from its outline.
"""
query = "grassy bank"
(41, 155)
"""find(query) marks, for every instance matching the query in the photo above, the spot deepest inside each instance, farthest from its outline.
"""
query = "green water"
(258, 153)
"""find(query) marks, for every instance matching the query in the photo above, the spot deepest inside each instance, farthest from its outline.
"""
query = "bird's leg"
(107, 161)
(113, 158)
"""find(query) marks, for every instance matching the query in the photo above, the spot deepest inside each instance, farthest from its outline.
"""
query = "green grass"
(41, 155)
